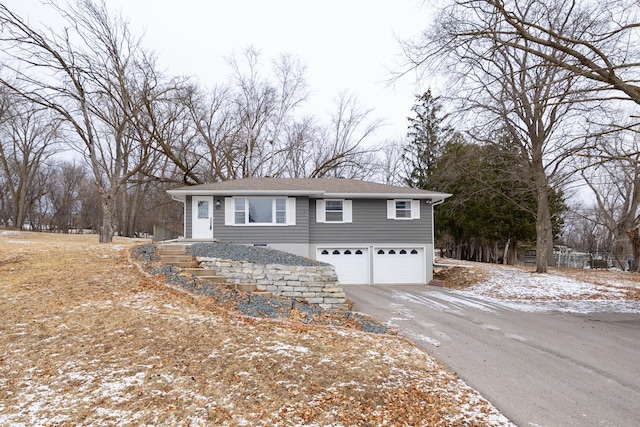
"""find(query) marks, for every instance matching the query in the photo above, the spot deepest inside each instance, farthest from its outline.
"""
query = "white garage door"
(352, 264)
(399, 265)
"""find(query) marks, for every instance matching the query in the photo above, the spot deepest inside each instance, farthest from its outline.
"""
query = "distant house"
(372, 233)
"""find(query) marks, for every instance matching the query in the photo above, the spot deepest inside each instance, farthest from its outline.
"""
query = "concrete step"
(173, 247)
(265, 294)
(199, 271)
(183, 265)
(177, 258)
(246, 287)
(214, 279)
(172, 252)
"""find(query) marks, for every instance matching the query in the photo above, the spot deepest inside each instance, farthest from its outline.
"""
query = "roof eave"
(309, 193)
(425, 196)
(187, 191)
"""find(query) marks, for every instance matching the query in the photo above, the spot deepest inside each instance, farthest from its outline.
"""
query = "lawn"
(88, 338)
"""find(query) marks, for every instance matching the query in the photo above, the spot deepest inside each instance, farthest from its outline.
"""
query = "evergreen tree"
(491, 204)
(427, 135)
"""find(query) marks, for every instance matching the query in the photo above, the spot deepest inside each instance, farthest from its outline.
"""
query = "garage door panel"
(351, 264)
(399, 265)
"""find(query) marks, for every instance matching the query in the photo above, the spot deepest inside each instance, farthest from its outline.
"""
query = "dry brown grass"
(458, 277)
(87, 339)
(629, 282)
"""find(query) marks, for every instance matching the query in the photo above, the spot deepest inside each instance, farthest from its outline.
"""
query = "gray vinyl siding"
(188, 218)
(370, 224)
(298, 233)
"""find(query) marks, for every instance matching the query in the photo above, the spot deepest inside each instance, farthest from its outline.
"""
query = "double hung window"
(334, 211)
(403, 209)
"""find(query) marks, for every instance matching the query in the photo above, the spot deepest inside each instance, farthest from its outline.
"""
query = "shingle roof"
(313, 187)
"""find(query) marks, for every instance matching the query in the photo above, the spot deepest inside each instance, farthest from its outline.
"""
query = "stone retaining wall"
(314, 284)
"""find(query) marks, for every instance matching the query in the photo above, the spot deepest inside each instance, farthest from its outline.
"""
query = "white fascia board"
(230, 193)
(434, 197)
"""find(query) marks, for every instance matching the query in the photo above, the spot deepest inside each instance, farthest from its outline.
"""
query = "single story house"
(372, 233)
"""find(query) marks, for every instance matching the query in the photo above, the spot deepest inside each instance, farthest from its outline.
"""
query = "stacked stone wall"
(314, 284)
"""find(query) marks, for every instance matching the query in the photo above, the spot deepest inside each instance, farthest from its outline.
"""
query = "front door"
(202, 224)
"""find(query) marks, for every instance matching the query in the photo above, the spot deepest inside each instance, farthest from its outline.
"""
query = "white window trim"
(230, 206)
(347, 211)
(391, 209)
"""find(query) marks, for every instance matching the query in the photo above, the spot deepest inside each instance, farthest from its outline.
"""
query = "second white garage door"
(352, 264)
(399, 265)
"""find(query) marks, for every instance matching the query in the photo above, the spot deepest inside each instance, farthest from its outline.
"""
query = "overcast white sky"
(345, 44)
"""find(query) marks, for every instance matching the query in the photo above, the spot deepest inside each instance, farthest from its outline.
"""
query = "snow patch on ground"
(576, 291)
(513, 283)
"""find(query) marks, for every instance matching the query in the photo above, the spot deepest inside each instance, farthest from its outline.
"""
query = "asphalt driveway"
(546, 368)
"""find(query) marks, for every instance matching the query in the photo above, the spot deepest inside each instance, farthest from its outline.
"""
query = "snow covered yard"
(87, 339)
(571, 290)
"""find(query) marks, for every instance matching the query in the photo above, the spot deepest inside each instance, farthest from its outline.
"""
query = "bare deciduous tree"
(93, 75)
(342, 151)
(613, 175)
(392, 168)
(595, 40)
(64, 195)
(506, 88)
(263, 107)
(27, 141)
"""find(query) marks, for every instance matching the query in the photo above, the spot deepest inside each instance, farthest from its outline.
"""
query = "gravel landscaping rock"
(256, 305)
(253, 254)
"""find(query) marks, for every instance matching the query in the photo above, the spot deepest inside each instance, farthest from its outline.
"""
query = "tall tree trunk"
(544, 236)
(634, 239)
(544, 229)
(108, 215)
(506, 254)
(106, 229)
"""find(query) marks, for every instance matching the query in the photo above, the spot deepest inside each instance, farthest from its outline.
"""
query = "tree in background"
(340, 151)
(27, 141)
(613, 176)
(63, 193)
(427, 135)
(93, 75)
(591, 40)
(489, 213)
(499, 87)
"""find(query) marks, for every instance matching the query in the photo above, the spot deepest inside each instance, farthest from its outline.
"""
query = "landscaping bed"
(248, 303)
